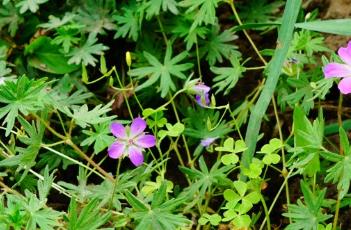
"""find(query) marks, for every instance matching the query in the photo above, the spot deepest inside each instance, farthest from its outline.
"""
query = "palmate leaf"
(153, 7)
(88, 218)
(84, 54)
(129, 22)
(33, 139)
(215, 47)
(162, 71)
(307, 216)
(205, 178)
(23, 96)
(100, 137)
(227, 76)
(259, 10)
(158, 215)
(205, 11)
(83, 117)
(340, 172)
(31, 5)
(9, 17)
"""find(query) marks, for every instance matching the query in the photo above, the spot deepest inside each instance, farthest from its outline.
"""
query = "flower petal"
(202, 100)
(146, 141)
(345, 53)
(345, 85)
(137, 127)
(208, 141)
(337, 70)
(136, 156)
(118, 130)
(116, 150)
(200, 87)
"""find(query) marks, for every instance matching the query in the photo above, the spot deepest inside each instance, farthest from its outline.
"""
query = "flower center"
(131, 142)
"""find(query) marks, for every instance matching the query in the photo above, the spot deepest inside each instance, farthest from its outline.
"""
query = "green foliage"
(22, 96)
(84, 54)
(162, 72)
(308, 215)
(216, 46)
(88, 218)
(100, 137)
(158, 214)
(83, 117)
(227, 76)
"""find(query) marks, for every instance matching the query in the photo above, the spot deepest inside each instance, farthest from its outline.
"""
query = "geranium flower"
(202, 94)
(208, 141)
(131, 141)
(341, 70)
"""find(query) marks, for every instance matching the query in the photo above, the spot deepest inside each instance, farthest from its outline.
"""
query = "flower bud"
(128, 59)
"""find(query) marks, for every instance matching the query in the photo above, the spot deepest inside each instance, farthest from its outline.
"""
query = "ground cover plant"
(174, 114)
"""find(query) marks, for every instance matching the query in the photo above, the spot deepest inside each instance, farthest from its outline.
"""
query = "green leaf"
(85, 117)
(227, 76)
(10, 17)
(31, 5)
(162, 72)
(44, 55)
(129, 22)
(84, 54)
(241, 187)
(101, 137)
(310, 214)
(22, 96)
(218, 46)
(153, 7)
(87, 218)
(228, 145)
(333, 26)
(230, 159)
(205, 11)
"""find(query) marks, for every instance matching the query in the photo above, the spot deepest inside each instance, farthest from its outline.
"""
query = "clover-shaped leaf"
(270, 151)
(214, 219)
(229, 159)
(255, 168)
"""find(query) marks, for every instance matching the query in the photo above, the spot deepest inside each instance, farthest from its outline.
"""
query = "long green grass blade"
(334, 26)
(273, 72)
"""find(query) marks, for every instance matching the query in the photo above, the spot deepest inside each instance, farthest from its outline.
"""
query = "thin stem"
(123, 93)
(340, 120)
(47, 147)
(337, 209)
(275, 200)
(116, 181)
(236, 15)
(8, 189)
(198, 60)
(266, 212)
(85, 157)
(255, 68)
(183, 137)
(282, 150)
(162, 30)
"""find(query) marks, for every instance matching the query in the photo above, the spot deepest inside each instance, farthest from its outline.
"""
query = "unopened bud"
(128, 58)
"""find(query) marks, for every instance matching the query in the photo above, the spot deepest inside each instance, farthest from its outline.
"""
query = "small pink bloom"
(341, 70)
(131, 141)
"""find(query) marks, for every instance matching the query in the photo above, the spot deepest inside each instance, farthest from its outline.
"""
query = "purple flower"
(208, 141)
(341, 70)
(131, 141)
(202, 96)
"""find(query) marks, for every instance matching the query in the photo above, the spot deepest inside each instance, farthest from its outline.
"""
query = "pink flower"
(131, 141)
(202, 94)
(341, 70)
